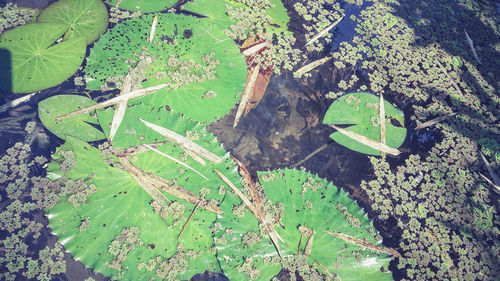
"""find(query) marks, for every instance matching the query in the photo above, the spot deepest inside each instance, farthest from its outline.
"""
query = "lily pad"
(36, 63)
(205, 68)
(94, 229)
(145, 6)
(83, 18)
(304, 202)
(81, 126)
(360, 111)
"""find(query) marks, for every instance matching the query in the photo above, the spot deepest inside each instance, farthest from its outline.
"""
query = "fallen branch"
(366, 141)
(490, 170)
(115, 100)
(255, 48)
(16, 102)
(153, 29)
(190, 216)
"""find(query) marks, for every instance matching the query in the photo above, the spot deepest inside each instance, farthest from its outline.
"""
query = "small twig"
(118, 3)
(308, 67)
(497, 187)
(115, 100)
(218, 40)
(382, 122)
(190, 216)
(246, 95)
(324, 31)
(318, 150)
(471, 45)
(366, 141)
(153, 29)
(133, 150)
(434, 121)
(326, 270)
(364, 243)
(175, 160)
(449, 77)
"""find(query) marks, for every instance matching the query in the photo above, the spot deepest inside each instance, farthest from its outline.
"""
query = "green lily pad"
(145, 6)
(205, 66)
(360, 110)
(83, 18)
(35, 62)
(82, 126)
(305, 201)
(94, 229)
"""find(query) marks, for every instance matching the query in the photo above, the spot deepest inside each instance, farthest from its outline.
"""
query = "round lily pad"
(31, 60)
(120, 230)
(205, 68)
(306, 207)
(82, 126)
(83, 18)
(145, 6)
(360, 111)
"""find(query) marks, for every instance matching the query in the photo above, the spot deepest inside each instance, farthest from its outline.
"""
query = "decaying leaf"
(434, 121)
(366, 141)
(324, 31)
(183, 142)
(121, 108)
(382, 122)
(364, 243)
(246, 95)
(308, 67)
(170, 187)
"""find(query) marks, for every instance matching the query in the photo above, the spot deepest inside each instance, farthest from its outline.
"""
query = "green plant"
(203, 66)
(83, 18)
(82, 126)
(360, 110)
(39, 64)
(145, 6)
(303, 208)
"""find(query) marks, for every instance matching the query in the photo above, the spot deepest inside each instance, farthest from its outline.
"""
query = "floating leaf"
(120, 204)
(35, 62)
(82, 126)
(193, 55)
(360, 110)
(145, 6)
(305, 202)
(83, 18)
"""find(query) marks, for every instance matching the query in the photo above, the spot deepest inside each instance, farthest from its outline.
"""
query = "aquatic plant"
(145, 6)
(204, 68)
(84, 18)
(11, 16)
(82, 127)
(361, 111)
(316, 220)
(44, 61)
(38, 65)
